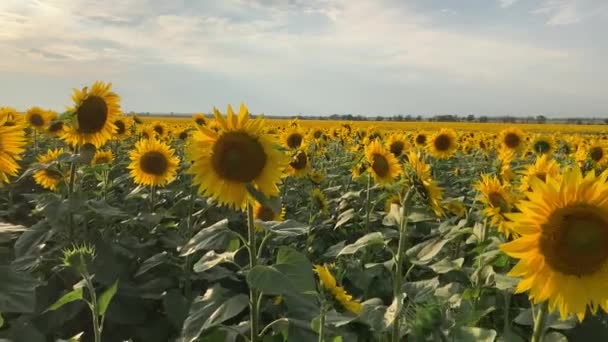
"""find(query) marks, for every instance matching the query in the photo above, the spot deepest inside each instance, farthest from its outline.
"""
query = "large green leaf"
(106, 297)
(69, 297)
(370, 239)
(216, 306)
(471, 334)
(292, 273)
(216, 236)
(212, 259)
(17, 291)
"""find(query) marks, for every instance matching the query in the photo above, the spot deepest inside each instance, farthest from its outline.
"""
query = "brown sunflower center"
(53, 174)
(154, 163)
(300, 161)
(120, 127)
(317, 134)
(183, 135)
(92, 115)
(596, 153)
(36, 120)
(421, 139)
(397, 147)
(102, 160)
(56, 126)
(200, 121)
(442, 143)
(482, 145)
(265, 213)
(238, 157)
(542, 176)
(498, 201)
(512, 140)
(380, 165)
(294, 140)
(574, 240)
(542, 147)
(159, 129)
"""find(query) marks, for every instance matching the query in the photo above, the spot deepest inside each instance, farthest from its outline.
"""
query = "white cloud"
(507, 3)
(568, 12)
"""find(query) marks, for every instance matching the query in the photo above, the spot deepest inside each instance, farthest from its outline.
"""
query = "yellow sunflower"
(38, 118)
(292, 138)
(199, 119)
(102, 157)
(563, 248)
(300, 164)
(153, 163)
(543, 144)
(498, 201)
(51, 176)
(12, 143)
(329, 283)
(383, 165)
(543, 167)
(265, 213)
(420, 139)
(316, 177)
(239, 155)
(93, 115)
(425, 186)
(595, 152)
(505, 157)
(512, 139)
(443, 143)
(397, 144)
(55, 128)
(160, 129)
(319, 201)
(122, 127)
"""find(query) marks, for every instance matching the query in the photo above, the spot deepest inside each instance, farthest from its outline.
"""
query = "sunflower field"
(233, 227)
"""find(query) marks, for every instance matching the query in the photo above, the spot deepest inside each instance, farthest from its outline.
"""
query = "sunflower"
(12, 143)
(239, 155)
(543, 167)
(316, 177)
(199, 119)
(420, 139)
(317, 134)
(595, 152)
(160, 129)
(300, 164)
(563, 248)
(425, 186)
(498, 201)
(512, 139)
(329, 283)
(93, 115)
(183, 135)
(38, 118)
(153, 163)
(265, 213)
(396, 144)
(49, 177)
(505, 157)
(292, 138)
(383, 165)
(319, 201)
(102, 157)
(443, 143)
(55, 128)
(543, 145)
(122, 127)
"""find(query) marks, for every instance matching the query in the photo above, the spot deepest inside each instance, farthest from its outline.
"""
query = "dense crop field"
(226, 227)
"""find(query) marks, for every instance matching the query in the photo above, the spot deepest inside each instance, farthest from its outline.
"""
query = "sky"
(312, 57)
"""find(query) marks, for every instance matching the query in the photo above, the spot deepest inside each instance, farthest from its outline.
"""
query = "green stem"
(253, 294)
(152, 198)
(93, 305)
(398, 276)
(506, 328)
(271, 324)
(367, 202)
(322, 323)
(70, 193)
(539, 324)
(188, 270)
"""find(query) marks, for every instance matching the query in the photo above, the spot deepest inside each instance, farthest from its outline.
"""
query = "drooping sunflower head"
(543, 167)
(498, 201)
(51, 176)
(39, 118)
(563, 248)
(419, 174)
(12, 143)
(512, 139)
(93, 115)
(443, 143)
(239, 155)
(543, 144)
(300, 164)
(102, 157)
(397, 144)
(383, 165)
(319, 201)
(153, 163)
(265, 213)
(199, 119)
(292, 138)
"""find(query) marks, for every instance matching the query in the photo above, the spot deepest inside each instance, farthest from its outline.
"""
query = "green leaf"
(17, 291)
(292, 273)
(176, 307)
(212, 259)
(216, 236)
(471, 334)
(216, 306)
(106, 297)
(554, 336)
(153, 261)
(431, 249)
(69, 297)
(8, 231)
(504, 282)
(422, 290)
(370, 239)
(392, 312)
(446, 265)
(287, 228)
(345, 217)
(1, 320)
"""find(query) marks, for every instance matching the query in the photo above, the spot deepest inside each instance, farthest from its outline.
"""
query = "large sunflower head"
(153, 163)
(51, 176)
(498, 201)
(299, 165)
(238, 155)
(38, 118)
(383, 165)
(512, 139)
(563, 248)
(541, 169)
(292, 138)
(543, 144)
(397, 144)
(12, 143)
(199, 119)
(102, 157)
(93, 115)
(160, 129)
(443, 143)
(422, 181)
(594, 152)
(420, 139)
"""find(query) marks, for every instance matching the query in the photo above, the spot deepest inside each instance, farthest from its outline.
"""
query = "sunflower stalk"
(398, 276)
(322, 321)
(70, 194)
(253, 294)
(539, 323)
(93, 306)
(190, 233)
(367, 201)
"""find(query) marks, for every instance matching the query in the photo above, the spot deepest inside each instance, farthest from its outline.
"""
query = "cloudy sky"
(370, 57)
